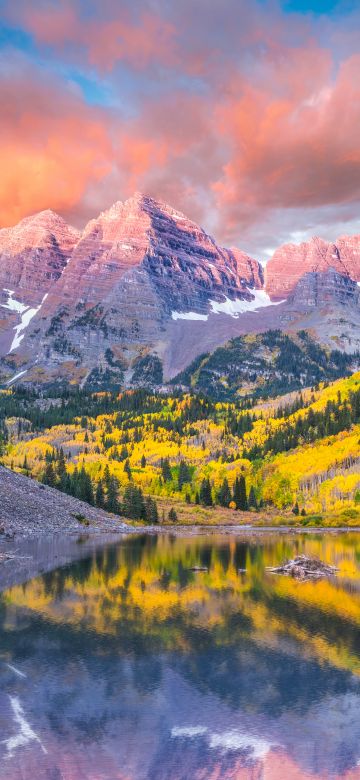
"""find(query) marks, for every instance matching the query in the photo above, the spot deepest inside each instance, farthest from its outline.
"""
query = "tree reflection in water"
(162, 672)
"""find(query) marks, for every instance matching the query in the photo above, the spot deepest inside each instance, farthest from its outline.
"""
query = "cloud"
(294, 144)
(52, 146)
(239, 115)
(105, 37)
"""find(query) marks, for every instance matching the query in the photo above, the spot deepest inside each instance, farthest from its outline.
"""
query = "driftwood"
(303, 568)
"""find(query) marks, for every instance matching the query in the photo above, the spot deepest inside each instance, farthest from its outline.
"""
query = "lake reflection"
(129, 666)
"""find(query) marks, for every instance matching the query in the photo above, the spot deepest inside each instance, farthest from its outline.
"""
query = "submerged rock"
(303, 568)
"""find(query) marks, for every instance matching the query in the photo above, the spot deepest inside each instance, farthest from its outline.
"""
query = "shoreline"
(42, 529)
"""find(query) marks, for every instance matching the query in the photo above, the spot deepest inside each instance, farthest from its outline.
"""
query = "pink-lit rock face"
(291, 261)
(140, 280)
(182, 261)
(33, 255)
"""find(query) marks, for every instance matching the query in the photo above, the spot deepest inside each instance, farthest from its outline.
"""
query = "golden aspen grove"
(292, 459)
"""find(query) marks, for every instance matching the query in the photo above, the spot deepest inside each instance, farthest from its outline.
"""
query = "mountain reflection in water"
(128, 666)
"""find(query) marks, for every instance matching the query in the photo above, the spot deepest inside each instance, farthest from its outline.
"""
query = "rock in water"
(303, 568)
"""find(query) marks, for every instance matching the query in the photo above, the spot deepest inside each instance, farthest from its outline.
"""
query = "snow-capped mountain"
(142, 290)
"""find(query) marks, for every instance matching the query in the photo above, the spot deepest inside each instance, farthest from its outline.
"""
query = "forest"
(152, 457)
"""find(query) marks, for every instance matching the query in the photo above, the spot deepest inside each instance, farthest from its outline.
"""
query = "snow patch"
(232, 308)
(14, 669)
(188, 315)
(125, 246)
(236, 740)
(240, 306)
(26, 315)
(232, 740)
(190, 731)
(25, 734)
(17, 376)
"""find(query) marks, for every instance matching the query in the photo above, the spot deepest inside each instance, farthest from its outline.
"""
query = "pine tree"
(107, 477)
(151, 511)
(61, 469)
(172, 515)
(295, 509)
(143, 462)
(205, 493)
(165, 469)
(224, 495)
(127, 468)
(112, 503)
(99, 495)
(85, 489)
(184, 475)
(252, 498)
(133, 503)
(239, 493)
(49, 476)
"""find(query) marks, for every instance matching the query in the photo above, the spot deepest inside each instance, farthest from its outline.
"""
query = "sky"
(243, 114)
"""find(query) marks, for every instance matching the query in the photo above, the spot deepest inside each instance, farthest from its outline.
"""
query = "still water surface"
(126, 665)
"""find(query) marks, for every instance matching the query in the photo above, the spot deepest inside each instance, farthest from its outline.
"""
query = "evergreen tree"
(165, 469)
(252, 498)
(224, 495)
(184, 475)
(133, 503)
(239, 493)
(107, 477)
(143, 462)
(112, 503)
(295, 509)
(172, 515)
(85, 488)
(61, 469)
(151, 511)
(205, 493)
(127, 469)
(49, 476)
(99, 495)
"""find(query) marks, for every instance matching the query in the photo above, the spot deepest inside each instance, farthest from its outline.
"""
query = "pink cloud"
(257, 120)
(52, 147)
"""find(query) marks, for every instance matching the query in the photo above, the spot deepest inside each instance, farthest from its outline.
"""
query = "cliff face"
(144, 287)
(290, 262)
(33, 255)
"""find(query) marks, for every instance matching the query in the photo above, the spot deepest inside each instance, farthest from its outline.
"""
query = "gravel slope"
(28, 508)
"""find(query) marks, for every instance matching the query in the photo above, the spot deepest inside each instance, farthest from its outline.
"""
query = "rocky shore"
(41, 528)
(28, 508)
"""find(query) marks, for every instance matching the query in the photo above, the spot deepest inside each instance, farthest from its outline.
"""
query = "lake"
(127, 665)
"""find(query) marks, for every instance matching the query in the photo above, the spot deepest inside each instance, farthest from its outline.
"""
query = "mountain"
(142, 291)
(265, 365)
(291, 261)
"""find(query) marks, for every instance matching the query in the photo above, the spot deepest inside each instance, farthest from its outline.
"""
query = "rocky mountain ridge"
(291, 261)
(143, 290)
